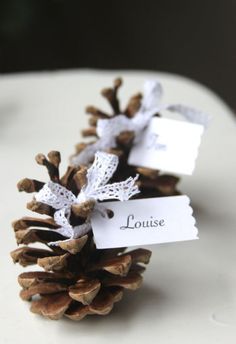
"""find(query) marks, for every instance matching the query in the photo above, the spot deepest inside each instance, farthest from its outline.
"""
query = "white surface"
(144, 222)
(188, 295)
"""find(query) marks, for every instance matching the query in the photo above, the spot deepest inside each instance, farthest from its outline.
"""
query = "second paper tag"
(145, 221)
(169, 145)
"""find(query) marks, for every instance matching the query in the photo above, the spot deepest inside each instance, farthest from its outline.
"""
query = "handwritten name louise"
(131, 223)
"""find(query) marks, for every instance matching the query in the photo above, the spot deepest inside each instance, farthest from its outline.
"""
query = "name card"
(168, 145)
(145, 221)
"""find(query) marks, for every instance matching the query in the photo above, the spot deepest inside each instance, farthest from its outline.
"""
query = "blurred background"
(192, 38)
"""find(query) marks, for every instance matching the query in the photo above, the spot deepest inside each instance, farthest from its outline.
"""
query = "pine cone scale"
(28, 255)
(103, 303)
(132, 281)
(26, 222)
(52, 306)
(42, 288)
(119, 265)
(28, 279)
(77, 311)
(32, 235)
(85, 291)
(56, 263)
(140, 255)
(74, 246)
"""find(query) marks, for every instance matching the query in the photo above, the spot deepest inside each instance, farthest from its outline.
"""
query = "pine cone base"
(90, 289)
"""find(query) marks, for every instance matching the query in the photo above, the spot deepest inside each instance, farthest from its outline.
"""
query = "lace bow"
(109, 129)
(96, 188)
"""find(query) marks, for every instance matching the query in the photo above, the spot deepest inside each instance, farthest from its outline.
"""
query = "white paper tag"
(145, 221)
(169, 145)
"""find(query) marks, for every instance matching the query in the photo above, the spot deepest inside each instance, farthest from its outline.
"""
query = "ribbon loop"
(55, 195)
(152, 95)
(102, 170)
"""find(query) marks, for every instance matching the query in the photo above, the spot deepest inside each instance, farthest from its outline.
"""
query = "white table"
(189, 290)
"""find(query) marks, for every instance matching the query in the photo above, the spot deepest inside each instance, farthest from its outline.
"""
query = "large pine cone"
(151, 182)
(76, 279)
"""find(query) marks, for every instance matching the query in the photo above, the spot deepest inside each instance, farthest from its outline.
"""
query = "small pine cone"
(151, 182)
(75, 278)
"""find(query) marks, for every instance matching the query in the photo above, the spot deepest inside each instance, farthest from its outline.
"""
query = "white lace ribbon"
(96, 188)
(109, 129)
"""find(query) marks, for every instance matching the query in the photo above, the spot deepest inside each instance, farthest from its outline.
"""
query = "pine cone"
(151, 183)
(78, 279)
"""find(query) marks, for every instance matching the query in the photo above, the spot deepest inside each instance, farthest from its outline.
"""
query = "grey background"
(192, 38)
